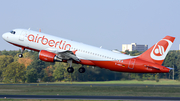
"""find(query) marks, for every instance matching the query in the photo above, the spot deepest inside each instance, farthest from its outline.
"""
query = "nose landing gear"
(21, 55)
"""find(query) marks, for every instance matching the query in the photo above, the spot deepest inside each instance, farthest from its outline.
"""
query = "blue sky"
(107, 23)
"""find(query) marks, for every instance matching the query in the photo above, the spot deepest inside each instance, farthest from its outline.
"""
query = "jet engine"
(48, 56)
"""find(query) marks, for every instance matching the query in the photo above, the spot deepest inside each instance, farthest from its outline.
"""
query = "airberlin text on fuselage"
(60, 44)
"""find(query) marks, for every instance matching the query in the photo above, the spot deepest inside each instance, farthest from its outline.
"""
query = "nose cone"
(3, 36)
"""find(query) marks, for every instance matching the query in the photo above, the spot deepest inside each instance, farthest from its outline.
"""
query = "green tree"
(157, 77)
(4, 61)
(127, 52)
(39, 66)
(49, 73)
(60, 71)
(31, 76)
(58, 74)
(4, 52)
(13, 53)
(14, 72)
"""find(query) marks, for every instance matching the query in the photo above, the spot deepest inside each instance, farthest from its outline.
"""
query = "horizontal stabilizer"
(170, 68)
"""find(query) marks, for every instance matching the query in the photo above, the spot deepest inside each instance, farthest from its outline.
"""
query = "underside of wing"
(64, 54)
(68, 55)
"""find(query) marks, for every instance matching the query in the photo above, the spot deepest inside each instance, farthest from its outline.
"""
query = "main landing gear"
(21, 55)
(71, 69)
(81, 70)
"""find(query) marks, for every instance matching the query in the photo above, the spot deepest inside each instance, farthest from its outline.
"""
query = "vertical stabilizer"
(158, 52)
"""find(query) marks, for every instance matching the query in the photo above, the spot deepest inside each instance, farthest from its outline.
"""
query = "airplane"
(56, 49)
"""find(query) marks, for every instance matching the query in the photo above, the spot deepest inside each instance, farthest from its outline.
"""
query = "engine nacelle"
(48, 56)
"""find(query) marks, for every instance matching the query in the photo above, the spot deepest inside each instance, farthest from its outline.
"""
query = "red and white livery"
(53, 49)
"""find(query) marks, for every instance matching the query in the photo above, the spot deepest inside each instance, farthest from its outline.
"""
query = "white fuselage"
(41, 41)
(90, 55)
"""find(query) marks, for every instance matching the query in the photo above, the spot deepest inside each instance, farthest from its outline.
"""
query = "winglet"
(74, 52)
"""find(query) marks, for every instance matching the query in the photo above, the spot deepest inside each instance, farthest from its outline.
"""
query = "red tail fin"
(158, 52)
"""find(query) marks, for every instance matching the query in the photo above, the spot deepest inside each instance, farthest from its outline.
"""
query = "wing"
(65, 54)
(68, 55)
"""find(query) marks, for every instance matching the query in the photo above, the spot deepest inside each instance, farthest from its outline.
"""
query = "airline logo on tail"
(161, 49)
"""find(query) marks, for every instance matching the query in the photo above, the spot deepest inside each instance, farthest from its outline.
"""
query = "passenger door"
(22, 35)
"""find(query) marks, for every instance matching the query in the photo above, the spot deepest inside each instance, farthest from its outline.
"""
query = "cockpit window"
(12, 32)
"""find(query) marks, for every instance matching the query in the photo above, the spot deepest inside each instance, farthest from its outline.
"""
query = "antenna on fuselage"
(29, 28)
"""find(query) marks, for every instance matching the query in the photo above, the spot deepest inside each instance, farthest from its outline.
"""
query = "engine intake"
(48, 56)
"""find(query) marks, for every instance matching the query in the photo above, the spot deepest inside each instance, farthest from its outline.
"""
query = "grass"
(148, 82)
(94, 90)
(90, 90)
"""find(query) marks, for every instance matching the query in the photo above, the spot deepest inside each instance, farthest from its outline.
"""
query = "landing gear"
(20, 55)
(70, 69)
(81, 70)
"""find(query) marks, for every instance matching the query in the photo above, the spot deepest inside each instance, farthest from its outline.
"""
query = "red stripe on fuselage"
(138, 66)
(23, 46)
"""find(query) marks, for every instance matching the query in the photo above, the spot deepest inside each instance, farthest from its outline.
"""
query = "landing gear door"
(22, 35)
(131, 63)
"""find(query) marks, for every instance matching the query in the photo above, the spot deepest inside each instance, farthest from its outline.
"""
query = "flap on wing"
(69, 54)
(152, 67)
(65, 54)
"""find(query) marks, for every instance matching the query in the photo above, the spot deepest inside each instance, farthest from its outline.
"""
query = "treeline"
(30, 69)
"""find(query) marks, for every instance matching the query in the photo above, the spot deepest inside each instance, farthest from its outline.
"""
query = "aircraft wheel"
(20, 55)
(81, 70)
(70, 69)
